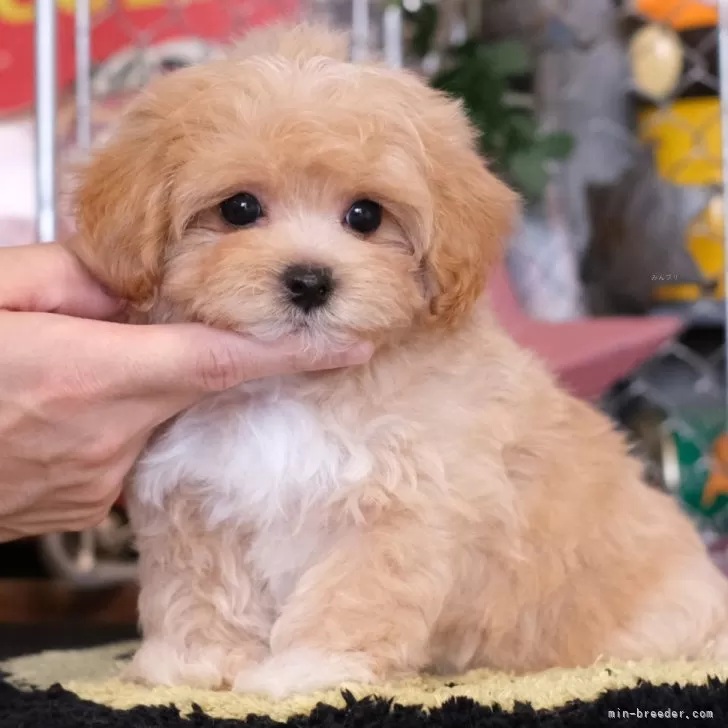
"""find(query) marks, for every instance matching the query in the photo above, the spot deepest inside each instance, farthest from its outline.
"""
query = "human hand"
(79, 397)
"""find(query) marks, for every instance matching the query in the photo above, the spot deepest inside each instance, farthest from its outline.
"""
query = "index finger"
(193, 359)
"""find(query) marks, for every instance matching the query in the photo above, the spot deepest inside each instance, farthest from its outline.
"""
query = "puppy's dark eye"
(241, 210)
(364, 216)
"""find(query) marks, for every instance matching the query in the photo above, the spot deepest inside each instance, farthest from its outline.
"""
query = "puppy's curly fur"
(443, 507)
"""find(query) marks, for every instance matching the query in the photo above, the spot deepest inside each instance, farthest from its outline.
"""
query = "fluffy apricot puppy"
(442, 507)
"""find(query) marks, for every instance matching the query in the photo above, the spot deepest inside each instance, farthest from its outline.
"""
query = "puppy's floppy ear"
(474, 215)
(121, 207)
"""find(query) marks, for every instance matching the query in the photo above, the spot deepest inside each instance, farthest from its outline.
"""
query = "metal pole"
(45, 118)
(723, 71)
(392, 32)
(360, 30)
(83, 74)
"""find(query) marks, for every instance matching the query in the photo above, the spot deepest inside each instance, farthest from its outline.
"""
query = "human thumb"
(193, 359)
(48, 278)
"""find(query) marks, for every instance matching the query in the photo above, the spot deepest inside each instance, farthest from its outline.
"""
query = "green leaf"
(424, 23)
(449, 80)
(557, 145)
(467, 50)
(529, 174)
(524, 126)
(506, 59)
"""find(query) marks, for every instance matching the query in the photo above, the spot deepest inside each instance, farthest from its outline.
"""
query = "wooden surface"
(27, 601)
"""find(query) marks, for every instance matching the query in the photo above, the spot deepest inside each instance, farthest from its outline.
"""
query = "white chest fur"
(259, 458)
(253, 455)
(264, 459)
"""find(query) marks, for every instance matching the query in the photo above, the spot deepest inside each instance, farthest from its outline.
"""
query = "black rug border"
(59, 708)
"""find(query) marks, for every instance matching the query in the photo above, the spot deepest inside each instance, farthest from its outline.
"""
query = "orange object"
(680, 14)
(718, 482)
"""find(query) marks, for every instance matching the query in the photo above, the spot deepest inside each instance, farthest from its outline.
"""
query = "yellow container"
(686, 137)
(705, 243)
(707, 251)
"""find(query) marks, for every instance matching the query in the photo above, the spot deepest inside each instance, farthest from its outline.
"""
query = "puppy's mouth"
(313, 322)
(319, 329)
(300, 326)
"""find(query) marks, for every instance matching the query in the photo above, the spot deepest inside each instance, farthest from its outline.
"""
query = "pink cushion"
(589, 355)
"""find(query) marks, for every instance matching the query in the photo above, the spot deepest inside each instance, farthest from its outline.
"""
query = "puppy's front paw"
(163, 663)
(303, 670)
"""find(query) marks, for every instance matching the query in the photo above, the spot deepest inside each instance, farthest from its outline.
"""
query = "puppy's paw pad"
(303, 671)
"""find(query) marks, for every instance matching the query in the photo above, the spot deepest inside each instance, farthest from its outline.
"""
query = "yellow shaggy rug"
(81, 688)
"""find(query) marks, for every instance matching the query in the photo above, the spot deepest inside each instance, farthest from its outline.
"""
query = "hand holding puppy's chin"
(289, 355)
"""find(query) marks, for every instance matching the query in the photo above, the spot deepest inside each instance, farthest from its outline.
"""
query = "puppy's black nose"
(308, 286)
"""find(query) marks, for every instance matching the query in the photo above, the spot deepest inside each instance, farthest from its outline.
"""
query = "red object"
(589, 355)
(151, 20)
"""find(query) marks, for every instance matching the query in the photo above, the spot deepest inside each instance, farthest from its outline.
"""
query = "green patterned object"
(686, 468)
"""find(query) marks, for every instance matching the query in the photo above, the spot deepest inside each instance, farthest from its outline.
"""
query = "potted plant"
(489, 78)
